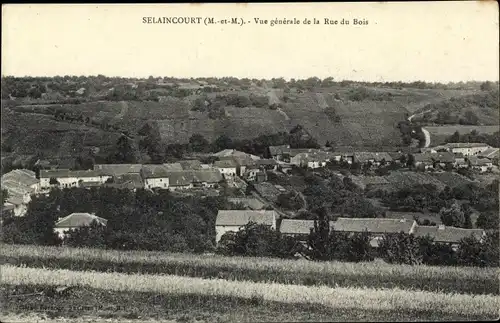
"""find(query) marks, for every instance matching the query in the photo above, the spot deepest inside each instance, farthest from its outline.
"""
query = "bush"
(400, 248)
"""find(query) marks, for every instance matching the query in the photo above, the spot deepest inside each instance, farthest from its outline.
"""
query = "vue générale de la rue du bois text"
(186, 20)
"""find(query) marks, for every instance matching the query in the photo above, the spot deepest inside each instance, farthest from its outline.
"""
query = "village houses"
(20, 185)
(64, 178)
(467, 149)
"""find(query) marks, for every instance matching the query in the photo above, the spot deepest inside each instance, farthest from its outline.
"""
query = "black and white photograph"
(250, 162)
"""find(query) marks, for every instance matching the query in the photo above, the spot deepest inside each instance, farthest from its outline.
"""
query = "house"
(255, 174)
(180, 180)
(233, 220)
(227, 167)
(234, 153)
(250, 203)
(376, 227)
(467, 148)
(23, 177)
(480, 164)
(432, 160)
(460, 161)
(75, 221)
(155, 176)
(118, 169)
(131, 181)
(375, 158)
(312, 160)
(65, 178)
(277, 152)
(490, 153)
(445, 234)
(298, 228)
(171, 166)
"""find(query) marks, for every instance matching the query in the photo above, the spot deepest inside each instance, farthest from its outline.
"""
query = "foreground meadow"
(91, 284)
(361, 299)
(298, 272)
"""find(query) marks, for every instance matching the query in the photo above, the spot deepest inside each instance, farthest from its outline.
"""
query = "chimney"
(441, 227)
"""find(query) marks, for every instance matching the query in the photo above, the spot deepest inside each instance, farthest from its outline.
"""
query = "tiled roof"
(367, 156)
(266, 162)
(252, 203)
(173, 166)
(226, 163)
(475, 161)
(190, 164)
(155, 171)
(447, 234)
(293, 226)
(242, 217)
(442, 157)
(60, 173)
(374, 225)
(76, 220)
(465, 145)
(118, 169)
(21, 176)
(489, 153)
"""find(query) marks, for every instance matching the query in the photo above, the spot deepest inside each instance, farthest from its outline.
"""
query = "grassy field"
(336, 298)
(440, 133)
(300, 272)
(154, 286)
(405, 179)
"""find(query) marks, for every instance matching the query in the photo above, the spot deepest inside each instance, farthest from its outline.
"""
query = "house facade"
(68, 178)
(467, 149)
(155, 177)
(226, 167)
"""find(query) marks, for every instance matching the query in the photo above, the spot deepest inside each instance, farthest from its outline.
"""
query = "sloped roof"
(253, 203)
(374, 225)
(155, 171)
(475, 161)
(266, 162)
(293, 226)
(465, 145)
(193, 164)
(233, 152)
(77, 220)
(447, 234)
(22, 176)
(377, 156)
(118, 169)
(173, 166)
(133, 180)
(207, 175)
(60, 173)
(242, 217)
(490, 153)
(429, 157)
(16, 188)
(226, 163)
(15, 199)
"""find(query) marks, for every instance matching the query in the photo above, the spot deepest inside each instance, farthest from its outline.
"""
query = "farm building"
(20, 185)
(242, 162)
(490, 153)
(467, 149)
(250, 203)
(431, 160)
(312, 160)
(209, 178)
(480, 164)
(444, 234)
(375, 226)
(227, 167)
(233, 220)
(76, 221)
(118, 169)
(155, 176)
(298, 228)
(130, 181)
(71, 178)
(375, 158)
(277, 152)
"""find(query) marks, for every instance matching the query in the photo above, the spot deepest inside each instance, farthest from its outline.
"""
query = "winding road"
(425, 131)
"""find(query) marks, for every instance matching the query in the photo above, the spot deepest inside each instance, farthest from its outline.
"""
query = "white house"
(76, 221)
(20, 185)
(233, 220)
(311, 160)
(480, 164)
(466, 148)
(71, 178)
(226, 167)
(155, 176)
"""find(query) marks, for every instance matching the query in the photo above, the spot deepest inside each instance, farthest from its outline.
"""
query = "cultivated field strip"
(340, 298)
(375, 274)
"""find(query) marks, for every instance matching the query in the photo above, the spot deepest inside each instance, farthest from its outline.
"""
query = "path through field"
(426, 133)
(274, 99)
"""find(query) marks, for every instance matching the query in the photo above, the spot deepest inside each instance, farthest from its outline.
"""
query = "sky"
(428, 41)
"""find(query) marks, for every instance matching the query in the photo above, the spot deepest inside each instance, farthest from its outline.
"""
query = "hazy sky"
(441, 41)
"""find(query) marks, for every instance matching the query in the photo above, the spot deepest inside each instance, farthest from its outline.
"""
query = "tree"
(453, 216)
(198, 143)
(488, 220)
(487, 86)
(400, 248)
(223, 142)
(5, 196)
(410, 161)
(455, 137)
(124, 153)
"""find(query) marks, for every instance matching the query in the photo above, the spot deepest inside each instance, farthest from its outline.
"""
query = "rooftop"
(466, 145)
(58, 173)
(77, 220)
(22, 176)
(376, 156)
(447, 234)
(374, 225)
(242, 217)
(226, 163)
(118, 169)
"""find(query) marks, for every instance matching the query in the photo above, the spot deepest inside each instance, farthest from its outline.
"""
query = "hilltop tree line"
(152, 145)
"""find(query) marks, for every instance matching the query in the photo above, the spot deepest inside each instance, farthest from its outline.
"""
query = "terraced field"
(156, 286)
